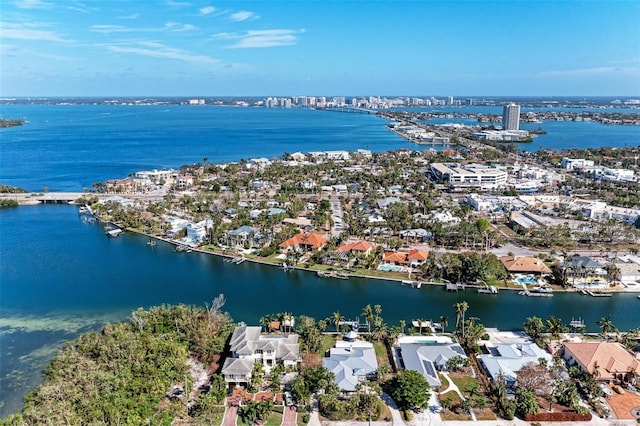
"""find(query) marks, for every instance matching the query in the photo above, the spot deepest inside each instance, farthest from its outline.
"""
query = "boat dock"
(454, 286)
(332, 274)
(488, 290)
(599, 293)
(534, 294)
(414, 284)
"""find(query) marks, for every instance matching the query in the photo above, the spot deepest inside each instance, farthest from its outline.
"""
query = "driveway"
(289, 418)
(230, 416)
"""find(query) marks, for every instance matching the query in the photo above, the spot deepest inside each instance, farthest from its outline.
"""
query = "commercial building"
(511, 117)
(470, 175)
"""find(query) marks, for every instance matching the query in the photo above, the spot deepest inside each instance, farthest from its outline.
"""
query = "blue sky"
(286, 48)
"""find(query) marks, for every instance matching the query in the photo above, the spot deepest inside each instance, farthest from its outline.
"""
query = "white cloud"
(243, 15)
(260, 38)
(32, 4)
(108, 29)
(158, 50)
(177, 3)
(177, 27)
(29, 32)
(207, 10)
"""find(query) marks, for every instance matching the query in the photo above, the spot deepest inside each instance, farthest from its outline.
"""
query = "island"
(4, 123)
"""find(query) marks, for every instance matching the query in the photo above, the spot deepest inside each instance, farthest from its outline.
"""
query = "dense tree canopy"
(122, 374)
(410, 390)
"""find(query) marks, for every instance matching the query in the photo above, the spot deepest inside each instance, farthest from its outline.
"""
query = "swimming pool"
(526, 280)
(390, 268)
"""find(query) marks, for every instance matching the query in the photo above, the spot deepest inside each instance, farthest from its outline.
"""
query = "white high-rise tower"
(511, 117)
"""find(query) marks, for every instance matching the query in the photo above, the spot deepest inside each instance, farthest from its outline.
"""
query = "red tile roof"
(524, 264)
(418, 255)
(305, 239)
(356, 246)
(395, 257)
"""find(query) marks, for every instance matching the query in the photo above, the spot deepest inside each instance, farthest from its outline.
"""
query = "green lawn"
(381, 354)
(465, 383)
(328, 341)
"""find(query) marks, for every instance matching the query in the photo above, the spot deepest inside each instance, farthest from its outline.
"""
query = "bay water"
(60, 276)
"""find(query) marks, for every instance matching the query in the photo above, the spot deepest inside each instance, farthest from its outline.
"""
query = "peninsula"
(481, 215)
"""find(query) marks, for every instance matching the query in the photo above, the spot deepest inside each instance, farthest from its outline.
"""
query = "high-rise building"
(511, 117)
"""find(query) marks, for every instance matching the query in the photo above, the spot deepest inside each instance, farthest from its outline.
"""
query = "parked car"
(288, 399)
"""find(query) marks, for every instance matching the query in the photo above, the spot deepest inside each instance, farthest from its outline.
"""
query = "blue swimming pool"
(390, 268)
(526, 280)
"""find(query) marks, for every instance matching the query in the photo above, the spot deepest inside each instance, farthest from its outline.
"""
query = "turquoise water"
(526, 280)
(393, 268)
(60, 276)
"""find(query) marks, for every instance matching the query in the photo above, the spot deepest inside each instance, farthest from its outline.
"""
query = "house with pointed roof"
(524, 265)
(506, 359)
(247, 345)
(351, 361)
(429, 359)
(307, 241)
(359, 247)
(413, 258)
(605, 360)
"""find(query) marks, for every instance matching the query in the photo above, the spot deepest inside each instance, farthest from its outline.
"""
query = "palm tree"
(367, 312)
(403, 324)
(444, 322)
(555, 327)
(461, 309)
(606, 325)
(337, 318)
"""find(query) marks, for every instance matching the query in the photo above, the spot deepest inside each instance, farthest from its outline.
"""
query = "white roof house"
(507, 359)
(248, 345)
(351, 362)
(428, 359)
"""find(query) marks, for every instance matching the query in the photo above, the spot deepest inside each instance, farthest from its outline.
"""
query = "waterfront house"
(351, 361)
(197, 232)
(428, 359)
(506, 359)
(358, 247)
(584, 269)
(244, 234)
(524, 265)
(247, 346)
(395, 258)
(307, 241)
(417, 257)
(606, 361)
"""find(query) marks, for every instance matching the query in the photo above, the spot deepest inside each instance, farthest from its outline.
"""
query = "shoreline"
(350, 275)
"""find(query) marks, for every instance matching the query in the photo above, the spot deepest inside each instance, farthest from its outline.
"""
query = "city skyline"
(222, 48)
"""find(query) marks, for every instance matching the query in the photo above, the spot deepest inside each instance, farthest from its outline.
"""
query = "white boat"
(114, 232)
(151, 243)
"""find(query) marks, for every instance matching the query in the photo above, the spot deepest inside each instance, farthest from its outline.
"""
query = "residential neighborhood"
(399, 215)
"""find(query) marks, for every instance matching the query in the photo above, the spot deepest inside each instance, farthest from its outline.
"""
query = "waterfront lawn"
(382, 356)
(273, 419)
(328, 341)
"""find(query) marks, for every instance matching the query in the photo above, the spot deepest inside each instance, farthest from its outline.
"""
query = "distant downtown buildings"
(511, 117)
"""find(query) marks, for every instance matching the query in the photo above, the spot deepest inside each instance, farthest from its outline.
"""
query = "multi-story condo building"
(511, 117)
(470, 175)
